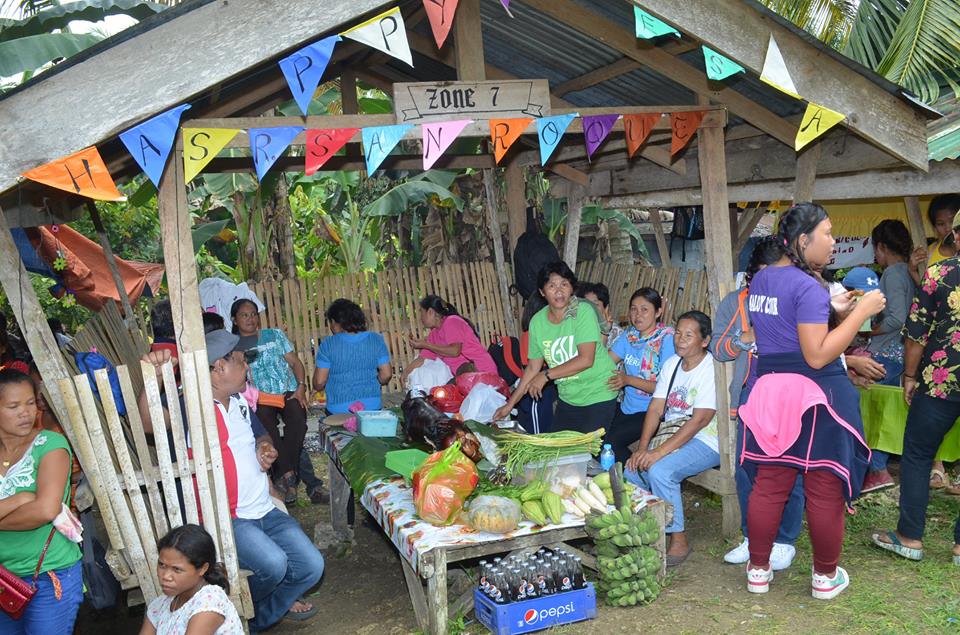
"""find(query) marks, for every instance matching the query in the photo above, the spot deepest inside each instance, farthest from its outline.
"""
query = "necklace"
(18, 453)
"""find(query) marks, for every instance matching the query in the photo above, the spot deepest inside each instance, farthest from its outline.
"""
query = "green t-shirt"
(20, 550)
(557, 343)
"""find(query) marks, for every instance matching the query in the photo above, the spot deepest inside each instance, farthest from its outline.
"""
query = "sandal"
(938, 479)
(956, 560)
(676, 561)
(953, 488)
(894, 545)
(301, 616)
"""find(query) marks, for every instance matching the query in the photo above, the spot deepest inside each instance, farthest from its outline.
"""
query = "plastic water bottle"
(607, 458)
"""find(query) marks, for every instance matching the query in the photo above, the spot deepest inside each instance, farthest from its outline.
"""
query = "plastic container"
(404, 462)
(564, 475)
(377, 423)
(537, 614)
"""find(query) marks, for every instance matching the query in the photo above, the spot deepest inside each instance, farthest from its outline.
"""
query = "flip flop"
(897, 547)
(676, 561)
(956, 560)
(301, 616)
(938, 479)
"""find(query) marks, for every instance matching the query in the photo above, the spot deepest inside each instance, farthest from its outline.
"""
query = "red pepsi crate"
(537, 614)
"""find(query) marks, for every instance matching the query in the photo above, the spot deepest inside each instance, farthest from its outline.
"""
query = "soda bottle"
(564, 577)
(520, 580)
(579, 581)
(531, 576)
(496, 587)
(607, 457)
(483, 576)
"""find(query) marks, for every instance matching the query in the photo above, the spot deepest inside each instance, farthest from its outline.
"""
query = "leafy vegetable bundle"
(517, 450)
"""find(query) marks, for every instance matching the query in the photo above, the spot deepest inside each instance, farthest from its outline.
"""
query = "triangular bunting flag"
(549, 131)
(437, 137)
(816, 120)
(440, 13)
(504, 133)
(200, 146)
(80, 173)
(323, 144)
(379, 141)
(267, 144)
(595, 130)
(719, 66)
(149, 143)
(506, 5)
(683, 126)
(775, 70)
(648, 26)
(384, 32)
(304, 69)
(637, 128)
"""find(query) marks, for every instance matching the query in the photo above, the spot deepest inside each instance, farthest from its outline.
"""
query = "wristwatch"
(546, 373)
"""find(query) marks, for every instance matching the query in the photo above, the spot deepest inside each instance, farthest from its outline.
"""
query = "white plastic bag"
(429, 375)
(481, 404)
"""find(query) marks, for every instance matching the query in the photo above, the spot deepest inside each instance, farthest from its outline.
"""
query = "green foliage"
(71, 316)
(827, 20)
(58, 16)
(27, 54)
(416, 191)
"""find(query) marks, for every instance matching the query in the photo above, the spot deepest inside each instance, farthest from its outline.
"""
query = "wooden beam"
(661, 239)
(748, 222)
(917, 230)
(341, 162)
(571, 239)
(468, 41)
(569, 173)
(806, 173)
(516, 203)
(129, 316)
(596, 76)
(742, 33)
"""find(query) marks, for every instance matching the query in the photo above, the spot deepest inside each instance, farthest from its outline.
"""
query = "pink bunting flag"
(596, 128)
(440, 13)
(437, 137)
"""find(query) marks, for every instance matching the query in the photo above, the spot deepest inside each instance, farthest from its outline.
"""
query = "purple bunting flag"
(596, 128)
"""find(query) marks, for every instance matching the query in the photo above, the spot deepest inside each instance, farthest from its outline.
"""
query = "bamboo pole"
(495, 235)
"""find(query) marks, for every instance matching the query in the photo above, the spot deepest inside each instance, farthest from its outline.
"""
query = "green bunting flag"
(651, 27)
(718, 66)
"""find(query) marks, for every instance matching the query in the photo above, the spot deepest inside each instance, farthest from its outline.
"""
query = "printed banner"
(719, 66)
(637, 129)
(775, 70)
(438, 136)
(550, 131)
(200, 146)
(816, 120)
(683, 126)
(80, 173)
(595, 131)
(504, 133)
(379, 141)
(323, 144)
(304, 69)
(440, 13)
(150, 143)
(267, 144)
(385, 33)
(648, 26)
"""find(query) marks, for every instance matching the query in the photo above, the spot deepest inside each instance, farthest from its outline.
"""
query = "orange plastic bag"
(441, 485)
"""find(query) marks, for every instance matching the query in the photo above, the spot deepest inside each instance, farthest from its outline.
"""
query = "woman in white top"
(194, 588)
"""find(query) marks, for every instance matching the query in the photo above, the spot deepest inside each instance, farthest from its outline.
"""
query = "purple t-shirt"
(780, 299)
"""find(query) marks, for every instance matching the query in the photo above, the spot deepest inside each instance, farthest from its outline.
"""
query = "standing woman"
(452, 340)
(566, 347)
(279, 375)
(34, 484)
(643, 348)
(786, 433)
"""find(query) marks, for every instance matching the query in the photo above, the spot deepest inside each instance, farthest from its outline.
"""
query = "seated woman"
(599, 295)
(686, 396)
(452, 339)
(194, 588)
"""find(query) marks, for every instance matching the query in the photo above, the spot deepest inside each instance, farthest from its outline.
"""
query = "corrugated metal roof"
(943, 135)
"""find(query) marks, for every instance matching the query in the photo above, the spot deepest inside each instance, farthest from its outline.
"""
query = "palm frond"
(873, 30)
(59, 16)
(829, 21)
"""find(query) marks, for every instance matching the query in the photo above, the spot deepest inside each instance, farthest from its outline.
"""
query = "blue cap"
(862, 279)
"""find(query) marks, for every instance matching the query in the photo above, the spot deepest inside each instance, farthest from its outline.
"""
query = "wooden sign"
(439, 101)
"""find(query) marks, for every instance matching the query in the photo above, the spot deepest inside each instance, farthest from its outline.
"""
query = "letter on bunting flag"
(637, 128)
(200, 146)
(648, 26)
(304, 69)
(683, 126)
(775, 70)
(719, 66)
(816, 120)
(384, 32)
(80, 173)
(440, 13)
(267, 144)
(149, 143)
(323, 144)
(595, 131)
(549, 131)
(379, 141)
(437, 137)
(504, 133)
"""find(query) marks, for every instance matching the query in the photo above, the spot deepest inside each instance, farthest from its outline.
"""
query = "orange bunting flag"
(683, 126)
(505, 132)
(80, 173)
(440, 13)
(637, 128)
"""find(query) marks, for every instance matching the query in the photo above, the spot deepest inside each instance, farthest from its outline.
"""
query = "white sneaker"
(739, 554)
(827, 588)
(758, 580)
(781, 556)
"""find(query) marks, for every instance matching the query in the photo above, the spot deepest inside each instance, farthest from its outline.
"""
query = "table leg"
(340, 496)
(437, 593)
(415, 588)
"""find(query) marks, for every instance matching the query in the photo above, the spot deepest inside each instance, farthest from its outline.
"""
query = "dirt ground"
(363, 590)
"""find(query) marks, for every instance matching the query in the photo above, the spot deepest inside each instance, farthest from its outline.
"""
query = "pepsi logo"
(531, 616)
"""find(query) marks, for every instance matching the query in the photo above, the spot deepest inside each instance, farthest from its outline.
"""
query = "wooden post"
(571, 240)
(915, 220)
(806, 173)
(516, 204)
(493, 221)
(129, 315)
(661, 238)
(468, 40)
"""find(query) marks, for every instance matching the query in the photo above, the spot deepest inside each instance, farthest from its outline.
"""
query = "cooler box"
(536, 614)
(377, 423)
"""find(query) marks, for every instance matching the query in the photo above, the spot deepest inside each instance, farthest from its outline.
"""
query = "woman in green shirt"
(566, 347)
(34, 483)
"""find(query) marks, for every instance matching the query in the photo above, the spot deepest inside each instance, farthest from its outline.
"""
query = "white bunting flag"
(384, 32)
(775, 70)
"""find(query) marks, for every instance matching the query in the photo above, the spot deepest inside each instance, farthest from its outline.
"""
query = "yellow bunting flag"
(504, 132)
(80, 173)
(816, 121)
(200, 146)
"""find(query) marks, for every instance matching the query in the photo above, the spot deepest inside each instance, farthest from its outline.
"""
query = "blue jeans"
(307, 476)
(285, 564)
(894, 368)
(664, 477)
(45, 614)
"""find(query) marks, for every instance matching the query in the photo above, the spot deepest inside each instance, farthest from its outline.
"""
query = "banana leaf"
(364, 459)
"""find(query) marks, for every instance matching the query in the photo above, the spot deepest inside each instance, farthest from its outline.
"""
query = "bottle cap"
(607, 446)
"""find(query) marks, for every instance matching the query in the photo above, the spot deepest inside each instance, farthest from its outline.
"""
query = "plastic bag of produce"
(431, 373)
(442, 484)
(495, 514)
(481, 404)
(467, 381)
(446, 398)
